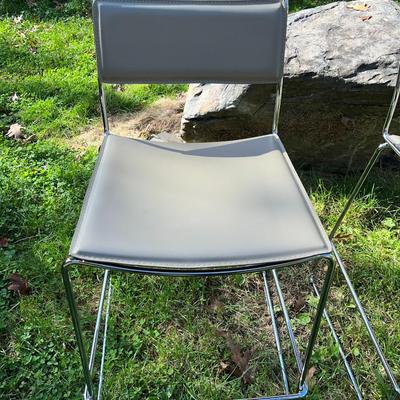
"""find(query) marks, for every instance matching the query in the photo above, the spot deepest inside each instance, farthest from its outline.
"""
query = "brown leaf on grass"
(240, 359)
(343, 236)
(15, 132)
(3, 241)
(366, 17)
(223, 366)
(310, 374)
(18, 285)
(299, 303)
(359, 7)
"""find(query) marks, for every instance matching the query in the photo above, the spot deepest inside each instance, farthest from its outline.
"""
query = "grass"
(168, 345)
(48, 78)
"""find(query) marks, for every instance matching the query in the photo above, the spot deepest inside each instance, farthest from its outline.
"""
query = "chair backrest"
(172, 41)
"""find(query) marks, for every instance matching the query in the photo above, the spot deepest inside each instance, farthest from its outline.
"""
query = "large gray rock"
(341, 65)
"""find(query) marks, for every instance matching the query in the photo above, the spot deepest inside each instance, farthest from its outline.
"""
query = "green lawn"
(165, 340)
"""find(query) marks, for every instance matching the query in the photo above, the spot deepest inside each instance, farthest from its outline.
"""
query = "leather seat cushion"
(196, 206)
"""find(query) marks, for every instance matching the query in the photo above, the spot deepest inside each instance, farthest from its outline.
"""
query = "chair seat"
(394, 141)
(196, 206)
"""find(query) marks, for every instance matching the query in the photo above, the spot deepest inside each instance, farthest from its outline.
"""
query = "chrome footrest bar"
(268, 300)
(288, 323)
(105, 298)
(103, 354)
(97, 326)
(341, 350)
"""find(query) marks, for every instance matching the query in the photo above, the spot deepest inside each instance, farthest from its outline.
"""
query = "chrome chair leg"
(349, 284)
(106, 282)
(342, 353)
(78, 331)
(88, 364)
(286, 317)
(317, 319)
(358, 186)
(268, 300)
(367, 323)
(103, 352)
(303, 367)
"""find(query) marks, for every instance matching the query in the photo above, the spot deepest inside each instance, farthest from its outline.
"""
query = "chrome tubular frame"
(268, 300)
(393, 105)
(357, 187)
(103, 108)
(277, 109)
(88, 362)
(340, 347)
(387, 144)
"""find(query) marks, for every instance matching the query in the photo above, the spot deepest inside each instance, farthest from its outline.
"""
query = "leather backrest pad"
(144, 41)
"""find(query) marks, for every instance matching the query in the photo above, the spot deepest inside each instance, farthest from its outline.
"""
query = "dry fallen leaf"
(366, 17)
(343, 236)
(241, 360)
(311, 372)
(3, 241)
(15, 132)
(359, 7)
(223, 366)
(18, 285)
(299, 303)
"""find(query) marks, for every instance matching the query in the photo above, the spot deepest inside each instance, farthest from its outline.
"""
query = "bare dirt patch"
(162, 116)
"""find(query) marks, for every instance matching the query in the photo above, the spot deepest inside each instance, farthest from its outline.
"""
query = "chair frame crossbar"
(269, 275)
(88, 361)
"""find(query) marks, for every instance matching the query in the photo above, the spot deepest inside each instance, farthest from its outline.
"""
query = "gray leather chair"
(194, 209)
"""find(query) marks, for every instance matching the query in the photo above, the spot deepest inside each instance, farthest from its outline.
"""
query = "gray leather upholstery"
(196, 206)
(236, 41)
(394, 140)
